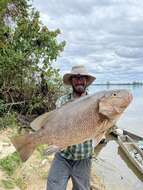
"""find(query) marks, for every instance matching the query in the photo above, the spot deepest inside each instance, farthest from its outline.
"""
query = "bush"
(8, 121)
(28, 81)
(10, 163)
(2, 107)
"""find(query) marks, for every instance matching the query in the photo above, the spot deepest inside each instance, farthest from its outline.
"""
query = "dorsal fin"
(41, 120)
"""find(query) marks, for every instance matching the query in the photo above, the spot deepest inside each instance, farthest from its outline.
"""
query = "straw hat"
(78, 70)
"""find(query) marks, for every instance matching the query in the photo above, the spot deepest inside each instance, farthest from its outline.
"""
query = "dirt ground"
(33, 173)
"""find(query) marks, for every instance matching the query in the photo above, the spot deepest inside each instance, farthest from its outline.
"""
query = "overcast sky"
(105, 35)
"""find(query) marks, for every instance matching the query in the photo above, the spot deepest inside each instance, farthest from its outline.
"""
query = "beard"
(79, 89)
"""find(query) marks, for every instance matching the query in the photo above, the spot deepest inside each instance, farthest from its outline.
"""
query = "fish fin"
(106, 109)
(51, 149)
(24, 146)
(40, 121)
(97, 139)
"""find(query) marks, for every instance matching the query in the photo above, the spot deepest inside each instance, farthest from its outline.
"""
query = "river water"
(112, 165)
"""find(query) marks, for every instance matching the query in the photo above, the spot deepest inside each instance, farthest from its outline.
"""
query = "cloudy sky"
(104, 35)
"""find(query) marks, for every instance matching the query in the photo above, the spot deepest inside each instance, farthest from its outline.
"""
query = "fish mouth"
(128, 101)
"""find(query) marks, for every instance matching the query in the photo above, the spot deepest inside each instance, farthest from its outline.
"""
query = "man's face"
(79, 83)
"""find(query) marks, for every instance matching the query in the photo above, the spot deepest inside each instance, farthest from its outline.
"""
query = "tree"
(27, 51)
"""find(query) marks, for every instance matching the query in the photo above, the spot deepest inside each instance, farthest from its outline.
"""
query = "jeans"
(62, 169)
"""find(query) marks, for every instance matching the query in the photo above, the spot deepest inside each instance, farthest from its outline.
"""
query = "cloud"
(106, 36)
(130, 52)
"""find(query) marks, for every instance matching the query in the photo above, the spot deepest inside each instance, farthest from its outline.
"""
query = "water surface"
(112, 165)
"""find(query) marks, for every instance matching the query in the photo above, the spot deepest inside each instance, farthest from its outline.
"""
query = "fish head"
(113, 103)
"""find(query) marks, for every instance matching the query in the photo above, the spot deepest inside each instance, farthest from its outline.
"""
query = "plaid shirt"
(79, 151)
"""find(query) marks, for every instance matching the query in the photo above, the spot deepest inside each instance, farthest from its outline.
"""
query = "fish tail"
(24, 146)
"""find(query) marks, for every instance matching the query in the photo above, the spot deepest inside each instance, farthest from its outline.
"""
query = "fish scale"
(85, 118)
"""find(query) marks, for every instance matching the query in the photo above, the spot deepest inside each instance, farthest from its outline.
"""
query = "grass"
(8, 121)
(8, 183)
(10, 163)
(20, 182)
(41, 149)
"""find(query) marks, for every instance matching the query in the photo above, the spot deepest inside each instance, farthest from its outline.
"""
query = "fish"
(83, 119)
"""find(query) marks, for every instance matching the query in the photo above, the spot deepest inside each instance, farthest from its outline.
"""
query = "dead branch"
(14, 103)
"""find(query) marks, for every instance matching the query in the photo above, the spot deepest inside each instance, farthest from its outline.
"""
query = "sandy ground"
(33, 173)
(112, 177)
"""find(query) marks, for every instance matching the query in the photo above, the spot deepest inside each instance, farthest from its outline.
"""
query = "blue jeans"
(62, 169)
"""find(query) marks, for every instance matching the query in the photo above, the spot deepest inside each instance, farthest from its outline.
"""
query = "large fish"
(75, 122)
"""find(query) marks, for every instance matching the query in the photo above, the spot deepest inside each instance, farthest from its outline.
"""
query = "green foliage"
(27, 51)
(2, 107)
(8, 183)
(8, 121)
(10, 163)
(11, 182)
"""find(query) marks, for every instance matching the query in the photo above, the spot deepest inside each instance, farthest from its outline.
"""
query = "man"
(75, 161)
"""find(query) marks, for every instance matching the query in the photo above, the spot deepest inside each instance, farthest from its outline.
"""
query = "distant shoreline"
(139, 84)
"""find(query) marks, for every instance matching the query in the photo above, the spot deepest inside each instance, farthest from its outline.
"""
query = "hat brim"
(67, 78)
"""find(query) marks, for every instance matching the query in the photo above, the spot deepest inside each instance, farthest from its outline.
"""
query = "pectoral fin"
(97, 139)
(108, 110)
(105, 108)
(40, 121)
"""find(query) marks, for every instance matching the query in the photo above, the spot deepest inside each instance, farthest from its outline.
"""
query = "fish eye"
(114, 94)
